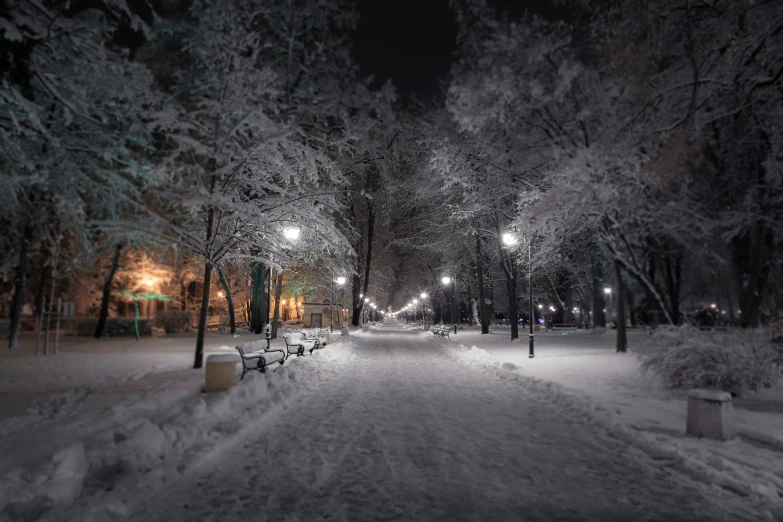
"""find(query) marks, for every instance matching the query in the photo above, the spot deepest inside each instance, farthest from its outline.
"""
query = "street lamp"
(453, 304)
(608, 291)
(340, 281)
(510, 239)
(291, 233)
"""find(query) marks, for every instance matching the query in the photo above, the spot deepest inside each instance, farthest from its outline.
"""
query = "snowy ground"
(385, 425)
(587, 369)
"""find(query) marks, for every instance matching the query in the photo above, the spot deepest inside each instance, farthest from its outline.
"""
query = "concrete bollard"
(221, 372)
(325, 336)
(711, 415)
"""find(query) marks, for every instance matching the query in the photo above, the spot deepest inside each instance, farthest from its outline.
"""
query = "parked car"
(294, 324)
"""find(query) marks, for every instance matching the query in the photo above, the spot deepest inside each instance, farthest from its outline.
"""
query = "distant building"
(316, 315)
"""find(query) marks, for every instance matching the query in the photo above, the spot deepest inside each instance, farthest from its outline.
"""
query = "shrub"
(174, 321)
(730, 360)
(115, 327)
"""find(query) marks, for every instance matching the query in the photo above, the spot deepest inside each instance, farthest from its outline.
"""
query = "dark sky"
(412, 42)
(409, 41)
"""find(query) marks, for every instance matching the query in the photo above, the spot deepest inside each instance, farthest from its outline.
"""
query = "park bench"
(298, 342)
(255, 356)
(441, 330)
(564, 327)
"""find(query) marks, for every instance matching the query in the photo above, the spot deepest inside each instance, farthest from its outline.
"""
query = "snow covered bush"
(115, 327)
(174, 321)
(730, 360)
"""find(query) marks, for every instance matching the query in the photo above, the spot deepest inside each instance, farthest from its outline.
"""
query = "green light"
(236, 335)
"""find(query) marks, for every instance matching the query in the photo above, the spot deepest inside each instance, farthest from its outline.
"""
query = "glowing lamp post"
(340, 281)
(608, 291)
(292, 235)
(453, 301)
(510, 239)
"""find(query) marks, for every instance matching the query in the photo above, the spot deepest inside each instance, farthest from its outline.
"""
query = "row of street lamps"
(412, 305)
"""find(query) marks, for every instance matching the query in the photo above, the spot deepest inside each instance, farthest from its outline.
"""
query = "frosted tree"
(233, 172)
(69, 123)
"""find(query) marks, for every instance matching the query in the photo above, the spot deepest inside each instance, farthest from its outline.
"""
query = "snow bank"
(145, 452)
(765, 488)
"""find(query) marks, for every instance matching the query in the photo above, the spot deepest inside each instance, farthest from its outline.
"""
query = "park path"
(412, 433)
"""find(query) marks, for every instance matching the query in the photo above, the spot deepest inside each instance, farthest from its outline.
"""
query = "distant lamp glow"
(424, 295)
(221, 294)
(149, 282)
(713, 305)
(366, 299)
(446, 280)
(415, 301)
(552, 308)
(540, 307)
(607, 290)
(291, 233)
(340, 280)
(509, 239)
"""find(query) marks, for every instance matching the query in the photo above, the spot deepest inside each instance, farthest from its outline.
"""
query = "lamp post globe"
(291, 233)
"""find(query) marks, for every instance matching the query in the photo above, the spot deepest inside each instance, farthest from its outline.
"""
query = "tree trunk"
(473, 305)
(622, 341)
(202, 317)
(673, 272)
(599, 303)
(19, 285)
(750, 252)
(278, 293)
(104, 312)
(55, 262)
(229, 299)
(368, 260)
(484, 315)
(258, 312)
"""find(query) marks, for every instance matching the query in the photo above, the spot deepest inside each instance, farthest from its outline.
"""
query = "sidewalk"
(585, 365)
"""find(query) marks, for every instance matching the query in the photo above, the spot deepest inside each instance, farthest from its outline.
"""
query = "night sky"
(412, 42)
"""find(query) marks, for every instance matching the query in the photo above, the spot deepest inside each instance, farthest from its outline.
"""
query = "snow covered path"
(411, 432)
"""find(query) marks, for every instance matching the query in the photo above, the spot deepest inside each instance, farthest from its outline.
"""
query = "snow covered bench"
(441, 330)
(255, 356)
(298, 342)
